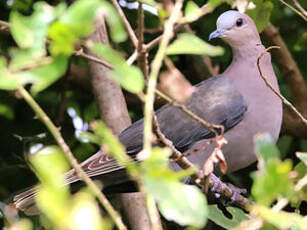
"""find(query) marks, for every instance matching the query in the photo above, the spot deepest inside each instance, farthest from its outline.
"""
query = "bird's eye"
(239, 22)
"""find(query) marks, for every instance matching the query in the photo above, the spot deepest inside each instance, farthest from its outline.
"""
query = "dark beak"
(217, 33)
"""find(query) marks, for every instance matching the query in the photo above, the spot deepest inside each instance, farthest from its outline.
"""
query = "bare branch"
(128, 27)
(299, 7)
(204, 182)
(72, 160)
(293, 9)
(205, 9)
(155, 68)
(109, 96)
(142, 54)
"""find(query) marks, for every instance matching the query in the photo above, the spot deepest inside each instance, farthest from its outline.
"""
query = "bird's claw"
(236, 193)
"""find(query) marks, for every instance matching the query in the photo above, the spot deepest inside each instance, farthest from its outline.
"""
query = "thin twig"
(299, 7)
(128, 27)
(205, 9)
(210, 126)
(293, 9)
(172, 102)
(142, 54)
(283, 99)
(206, 182)
(81, 174)
(81, 53)
(155, 68)
(132, 58)
(4, 24)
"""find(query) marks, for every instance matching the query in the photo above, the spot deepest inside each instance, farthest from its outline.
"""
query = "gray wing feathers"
(215, 100)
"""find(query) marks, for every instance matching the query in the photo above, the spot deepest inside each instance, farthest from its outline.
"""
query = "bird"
(238, 99)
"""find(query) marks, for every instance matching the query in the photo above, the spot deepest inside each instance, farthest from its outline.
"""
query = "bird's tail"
(99, 166)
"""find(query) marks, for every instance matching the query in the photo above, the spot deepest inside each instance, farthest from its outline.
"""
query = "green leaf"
(80, 17)
(190, 44)
(273, 181)
(30, 31)
(114, 147)
(216, 3)
(184, 204)
(281, 219)
(52, 198)
(63, 40)
(265, 147)
(217, 216)
(84, 205)
(6, 111)
(261, 14)
(11, 81)
(129, 77)
(48, 74)
(302, 157)
(47, 158)
(191, 11)
(118, 33)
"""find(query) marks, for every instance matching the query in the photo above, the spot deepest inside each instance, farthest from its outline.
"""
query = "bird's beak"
(217, 33)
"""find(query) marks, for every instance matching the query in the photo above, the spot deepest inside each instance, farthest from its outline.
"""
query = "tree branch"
(299, 7)
(128, 27)
(94, 189)
(111, 103)
(204, 182)
(293, 9)
(155, 68)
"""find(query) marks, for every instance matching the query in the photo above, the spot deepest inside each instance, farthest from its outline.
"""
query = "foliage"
(37, 55)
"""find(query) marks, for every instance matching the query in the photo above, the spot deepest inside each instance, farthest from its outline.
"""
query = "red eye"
(239, 22)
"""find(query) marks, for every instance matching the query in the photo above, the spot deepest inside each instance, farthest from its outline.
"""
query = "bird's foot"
(236, 193)
(218, 186)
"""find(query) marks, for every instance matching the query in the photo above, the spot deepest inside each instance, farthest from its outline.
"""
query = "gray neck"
(244, 73)
(251, 51)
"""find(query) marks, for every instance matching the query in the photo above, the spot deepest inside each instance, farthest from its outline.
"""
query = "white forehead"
(227, 19)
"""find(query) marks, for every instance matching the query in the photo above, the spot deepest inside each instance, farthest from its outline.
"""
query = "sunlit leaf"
(129, 77)
(184, 204)
(302, 157)
(273, 181)
(50, 157)
(118, 33)
(265, 147)
(281, 219)
(114, 147)
(217, 216)
(48, 74)
(22, 224)
(216, 3)
(191, 10)
(30, 31)
(85, 214)
(52, 196)
(11, 81)
(190, 44)
(261, 14)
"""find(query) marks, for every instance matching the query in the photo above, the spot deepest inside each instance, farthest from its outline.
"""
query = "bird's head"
(235, 28)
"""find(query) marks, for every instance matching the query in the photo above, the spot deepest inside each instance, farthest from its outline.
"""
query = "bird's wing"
(215, 100)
